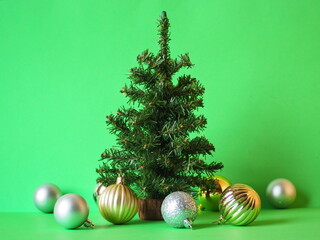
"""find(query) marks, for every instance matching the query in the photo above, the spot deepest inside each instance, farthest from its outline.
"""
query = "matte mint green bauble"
(210, 200)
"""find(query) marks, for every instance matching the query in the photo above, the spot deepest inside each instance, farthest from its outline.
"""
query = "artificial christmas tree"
(155, 152)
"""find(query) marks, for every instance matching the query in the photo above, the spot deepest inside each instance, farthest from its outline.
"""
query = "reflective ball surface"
(239, 205)
(46, 196)
(118, 204)
(179, 209)
(210, 200)
(281, 193)
(98, 190)
(71, 210)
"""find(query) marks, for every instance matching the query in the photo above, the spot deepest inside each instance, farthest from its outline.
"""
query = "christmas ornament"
(71, 211)
(98, 190)
(46, 196)
(179, 210)
(281, 193)
(210, 200)
(239, 205)
(118, 204)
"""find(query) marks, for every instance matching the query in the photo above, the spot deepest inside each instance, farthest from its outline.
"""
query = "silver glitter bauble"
(46, 196)
(71, 211)
(281, 193)
(179, 210)
(98, 190)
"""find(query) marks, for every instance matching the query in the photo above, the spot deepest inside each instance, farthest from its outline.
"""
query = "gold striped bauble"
(118, 204)
(239, 205)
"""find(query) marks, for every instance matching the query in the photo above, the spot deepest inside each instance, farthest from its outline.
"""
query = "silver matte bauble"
(46, 196)
(71, 211)
(179, 210)
(98, 190)
(281, 193)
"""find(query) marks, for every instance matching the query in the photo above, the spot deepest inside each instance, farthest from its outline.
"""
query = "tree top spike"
(164, 14)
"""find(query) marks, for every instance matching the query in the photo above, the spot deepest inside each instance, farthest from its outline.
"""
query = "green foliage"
(154, 150)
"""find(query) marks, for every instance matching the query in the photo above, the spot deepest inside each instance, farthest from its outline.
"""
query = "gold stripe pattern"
(118, 204)
(239, 205)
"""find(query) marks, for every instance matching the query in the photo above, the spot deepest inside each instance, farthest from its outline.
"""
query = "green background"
(62, 64)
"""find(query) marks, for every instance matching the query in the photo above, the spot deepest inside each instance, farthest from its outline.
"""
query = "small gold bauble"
(118, 204)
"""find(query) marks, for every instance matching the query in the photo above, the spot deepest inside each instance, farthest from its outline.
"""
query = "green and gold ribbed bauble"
(118, 204)
(239, 205)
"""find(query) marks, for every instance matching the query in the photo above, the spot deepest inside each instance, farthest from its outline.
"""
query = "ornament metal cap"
(88, 223)
(120, 180)
(187, 223)
(220, 221)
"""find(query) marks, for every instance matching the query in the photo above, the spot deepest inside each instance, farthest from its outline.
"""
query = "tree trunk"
(150, 209)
